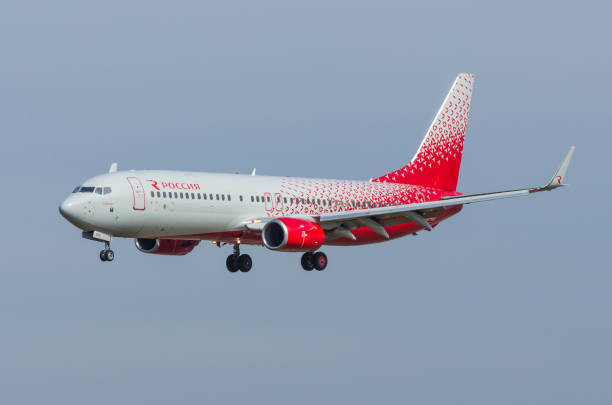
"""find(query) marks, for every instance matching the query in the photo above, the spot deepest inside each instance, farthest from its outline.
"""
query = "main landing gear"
(244, 263)
(236, 261)
(314, 261)
(107, 255)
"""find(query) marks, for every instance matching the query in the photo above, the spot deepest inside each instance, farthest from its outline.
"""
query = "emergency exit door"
(137, 192)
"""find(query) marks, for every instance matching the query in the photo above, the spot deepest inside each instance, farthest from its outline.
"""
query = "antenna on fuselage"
(113, 168)
(253, 172)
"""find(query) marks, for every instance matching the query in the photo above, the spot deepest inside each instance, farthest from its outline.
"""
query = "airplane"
(171, 212)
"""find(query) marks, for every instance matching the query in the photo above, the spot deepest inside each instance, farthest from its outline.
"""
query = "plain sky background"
(508, 302)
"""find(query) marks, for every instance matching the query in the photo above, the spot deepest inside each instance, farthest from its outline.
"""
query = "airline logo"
(165, 185)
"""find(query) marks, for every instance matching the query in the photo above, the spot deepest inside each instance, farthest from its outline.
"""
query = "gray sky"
(506, 303)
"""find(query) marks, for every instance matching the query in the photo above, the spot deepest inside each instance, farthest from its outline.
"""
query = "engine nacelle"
(173, 247)
(293, 235)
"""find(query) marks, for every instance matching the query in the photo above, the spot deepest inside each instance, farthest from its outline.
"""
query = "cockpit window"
(97, 190)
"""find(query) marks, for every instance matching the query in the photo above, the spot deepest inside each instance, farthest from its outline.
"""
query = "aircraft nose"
(68, 209)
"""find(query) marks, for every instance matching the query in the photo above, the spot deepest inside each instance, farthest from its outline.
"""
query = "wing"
(339, 225)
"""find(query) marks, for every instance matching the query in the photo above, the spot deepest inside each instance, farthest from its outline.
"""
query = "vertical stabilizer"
(438, 159)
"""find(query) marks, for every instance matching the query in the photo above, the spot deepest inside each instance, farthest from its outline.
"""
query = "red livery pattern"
(326, 196)
(438, 159)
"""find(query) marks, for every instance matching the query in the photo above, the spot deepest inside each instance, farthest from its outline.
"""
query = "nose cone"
(68, 209)
(73, 209)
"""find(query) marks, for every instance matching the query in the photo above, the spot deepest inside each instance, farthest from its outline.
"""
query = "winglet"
(557, 180)
(113, 168)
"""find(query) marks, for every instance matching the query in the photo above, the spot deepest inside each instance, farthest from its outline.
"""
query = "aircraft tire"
(320, 261)
(245, 263)
(307, 261)
(231, 263)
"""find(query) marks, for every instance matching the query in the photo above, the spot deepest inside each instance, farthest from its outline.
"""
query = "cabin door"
(137, 192)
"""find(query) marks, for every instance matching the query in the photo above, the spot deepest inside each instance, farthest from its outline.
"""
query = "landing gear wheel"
(308, 261)
(320, 261)
(107, 255)
(245, 263)
(231, 263)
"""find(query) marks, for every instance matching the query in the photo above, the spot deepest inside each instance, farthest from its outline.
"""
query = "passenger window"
(199, 196)
(285, 200)
(169, 195)
(158, 194)
(164, 194)
(223, 197)
(211, 196)
(204, 196)
(217, 197)
(181, 195)
(324, 203)
(192, 196)
(252, 199)
(318, 202)
(186, 196)
(257, 198)
(240, 198)
(268, 198)
(152, 193)
(175, 194)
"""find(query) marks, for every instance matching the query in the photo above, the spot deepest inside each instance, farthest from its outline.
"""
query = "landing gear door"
(138, 193)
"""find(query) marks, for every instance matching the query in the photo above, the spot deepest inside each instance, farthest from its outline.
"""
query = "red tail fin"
(438, 159)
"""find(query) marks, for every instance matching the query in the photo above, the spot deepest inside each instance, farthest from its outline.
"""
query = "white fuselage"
(155, 204)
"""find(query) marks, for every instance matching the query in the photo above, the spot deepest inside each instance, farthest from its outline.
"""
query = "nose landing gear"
(236, 261)
(107, 255)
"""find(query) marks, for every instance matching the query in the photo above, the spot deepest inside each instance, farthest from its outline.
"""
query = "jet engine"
(293, 235)
(173, 247)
